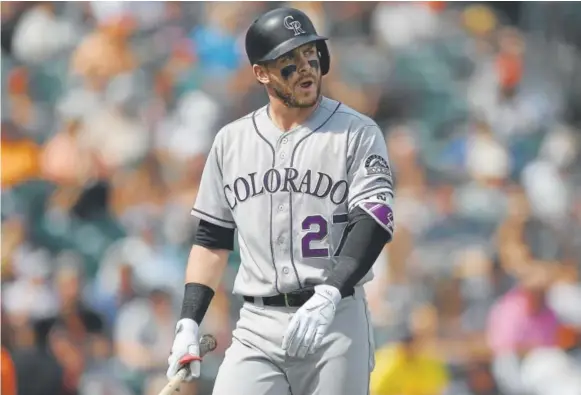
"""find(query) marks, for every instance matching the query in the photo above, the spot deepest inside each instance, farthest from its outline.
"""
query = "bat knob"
(208, 343)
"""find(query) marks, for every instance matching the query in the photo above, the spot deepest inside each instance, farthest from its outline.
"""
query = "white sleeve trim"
(212, 219)
(367, 194)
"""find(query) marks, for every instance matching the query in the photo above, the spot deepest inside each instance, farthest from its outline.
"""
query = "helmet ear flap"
(324, 56)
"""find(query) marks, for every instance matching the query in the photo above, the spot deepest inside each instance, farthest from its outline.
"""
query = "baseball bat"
(208, 343)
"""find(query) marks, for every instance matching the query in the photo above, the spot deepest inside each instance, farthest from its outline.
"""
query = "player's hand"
(185, 350)
(311, 322)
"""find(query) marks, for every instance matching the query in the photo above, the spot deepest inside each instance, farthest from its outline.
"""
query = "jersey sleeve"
(369, 174)
(211, 204)
(369, 171)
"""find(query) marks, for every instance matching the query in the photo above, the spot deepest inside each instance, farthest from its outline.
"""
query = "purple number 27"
(317, 228)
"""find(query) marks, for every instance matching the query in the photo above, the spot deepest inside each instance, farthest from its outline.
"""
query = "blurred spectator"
(488, 163)
(545, 177)
(43, 364)
(30, 296)
(74, 318)
(41, 34)
(564, 297)
(521, 320)
(143, 328)
(8, 375)
(190, 131)
(394, 25)
(20, 157)
(113, 290)
(550, 371)
(411, 367)
(215, 41)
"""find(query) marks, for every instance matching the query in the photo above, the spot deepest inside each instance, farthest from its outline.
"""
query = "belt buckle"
(286, 303)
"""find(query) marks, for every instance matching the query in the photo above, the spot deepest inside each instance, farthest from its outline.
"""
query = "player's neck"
(288, 118)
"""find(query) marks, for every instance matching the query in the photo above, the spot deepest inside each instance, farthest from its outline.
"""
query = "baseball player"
(305, 182)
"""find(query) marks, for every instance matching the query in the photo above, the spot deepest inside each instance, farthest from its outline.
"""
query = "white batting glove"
(311, 322)
(185, 349)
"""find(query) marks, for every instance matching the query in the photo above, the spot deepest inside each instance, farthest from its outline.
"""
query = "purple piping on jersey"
(290, 196)
(270, 227)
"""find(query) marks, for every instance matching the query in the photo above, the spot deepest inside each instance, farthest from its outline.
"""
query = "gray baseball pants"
(255, 363)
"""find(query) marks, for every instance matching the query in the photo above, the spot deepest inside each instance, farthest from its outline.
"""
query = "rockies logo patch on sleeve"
(375, 164)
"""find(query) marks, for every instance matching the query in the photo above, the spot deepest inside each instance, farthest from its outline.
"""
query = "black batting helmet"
(281, 30)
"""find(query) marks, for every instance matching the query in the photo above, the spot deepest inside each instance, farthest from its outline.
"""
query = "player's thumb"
(195, 368)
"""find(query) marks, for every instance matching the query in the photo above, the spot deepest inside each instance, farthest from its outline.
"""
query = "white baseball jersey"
(288, 193)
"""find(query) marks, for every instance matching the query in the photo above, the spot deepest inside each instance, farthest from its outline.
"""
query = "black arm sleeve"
(214, 237)
(197, 297)
(363, 241)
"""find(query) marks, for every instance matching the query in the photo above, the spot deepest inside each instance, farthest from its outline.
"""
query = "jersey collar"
(272, 133)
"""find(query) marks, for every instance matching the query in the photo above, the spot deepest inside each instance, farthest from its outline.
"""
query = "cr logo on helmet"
(291, 24)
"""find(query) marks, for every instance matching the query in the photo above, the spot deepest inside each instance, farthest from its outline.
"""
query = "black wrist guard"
(197, 298)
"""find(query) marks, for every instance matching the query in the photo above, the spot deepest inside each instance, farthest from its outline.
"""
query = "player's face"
(295, 77)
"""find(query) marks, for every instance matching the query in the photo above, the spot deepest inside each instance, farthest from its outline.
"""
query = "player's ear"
(261, 74)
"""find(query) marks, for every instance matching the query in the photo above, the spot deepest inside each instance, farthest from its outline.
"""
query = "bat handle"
(174, 384)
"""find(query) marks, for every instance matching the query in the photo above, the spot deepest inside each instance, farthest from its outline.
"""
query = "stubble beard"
(288, 97)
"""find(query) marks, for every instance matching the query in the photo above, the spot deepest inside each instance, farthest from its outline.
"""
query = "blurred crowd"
(109, 109)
